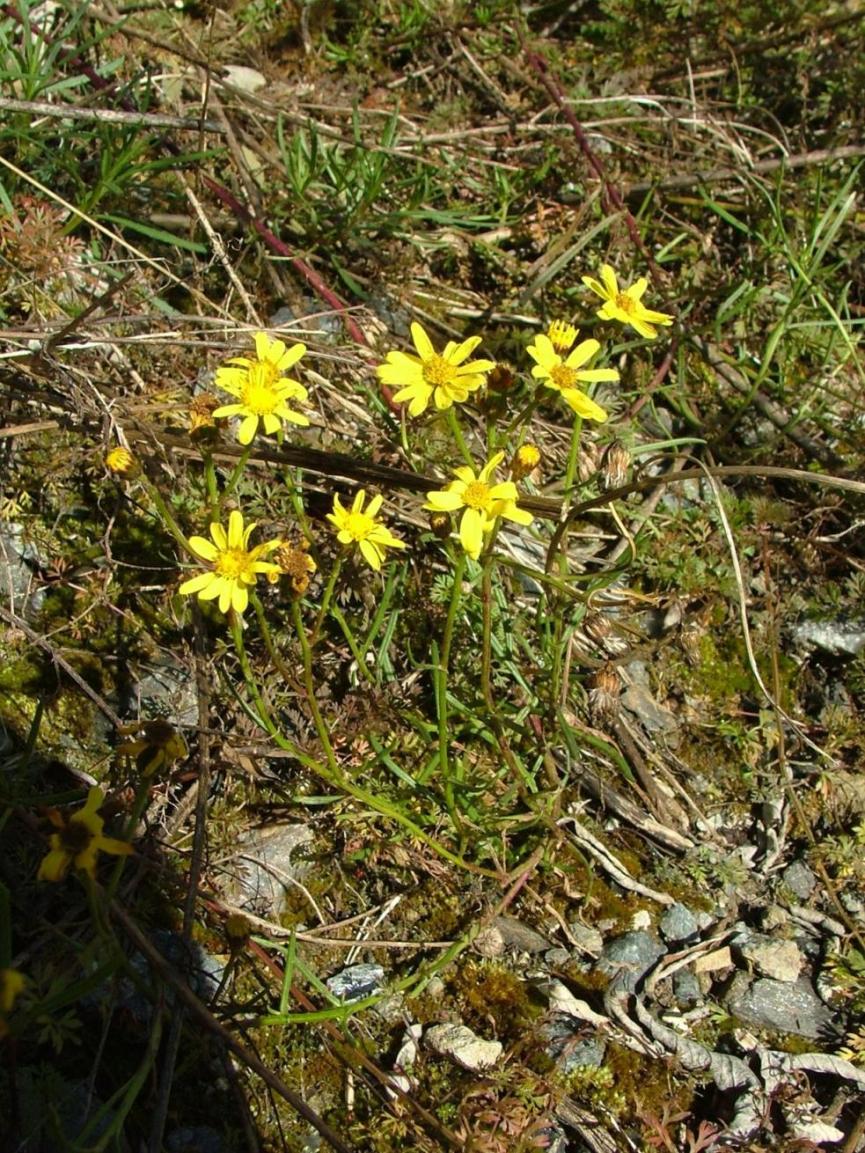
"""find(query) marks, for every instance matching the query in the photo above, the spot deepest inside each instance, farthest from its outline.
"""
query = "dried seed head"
(296, 563)
(615, 465)
(605, 688)
(440, 524)
(500, 378)
(201, 422)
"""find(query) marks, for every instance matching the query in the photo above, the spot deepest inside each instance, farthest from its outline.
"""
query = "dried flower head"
(296, 563)
(615, 465)
(202, 422)
(605, 688)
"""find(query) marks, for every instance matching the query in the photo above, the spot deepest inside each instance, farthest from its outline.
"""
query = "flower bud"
(562, 335)
(525, 460)
(440, 524)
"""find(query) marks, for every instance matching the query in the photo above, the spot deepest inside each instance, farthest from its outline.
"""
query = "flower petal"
(422, 342)
(611, 283)
(472, 532)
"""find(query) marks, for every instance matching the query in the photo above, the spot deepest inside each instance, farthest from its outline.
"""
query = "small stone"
(568, 1050)
(557, 957)
(636, 951)
(686, 989)
(463, 1046)
(244, 78)
(780, 960)
(642, 919)
(678, 924)
(839, 637)
(356, 982)
(586, 939)
(519, 936)
(781, 1005)
(774, 917)
(263, 868)
(799, 879)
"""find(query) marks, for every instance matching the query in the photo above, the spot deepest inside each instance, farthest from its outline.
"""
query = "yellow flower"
(120, 461)
(525, 460)
(78, 841)
(442, 378)
(11, 985)
(359, 526)
(483, 502)
(262, 391)
(158, 746)
(625, 304)
(235, 565)
(564, 375)
(561, 335)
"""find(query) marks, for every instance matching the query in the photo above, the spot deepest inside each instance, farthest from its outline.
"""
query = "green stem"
(454, 425)
(448, 777)
(326, 598)
(235, 475)
(573, 460)
(211, 485)
(359, 656)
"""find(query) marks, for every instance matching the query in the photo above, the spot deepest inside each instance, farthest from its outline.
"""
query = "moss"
(487, 991)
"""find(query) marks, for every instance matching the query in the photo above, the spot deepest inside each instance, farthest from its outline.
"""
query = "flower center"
(563, 377)
(477, 495)
(259, 394)
(233, 563)
(625, 302)
(75, 837)
(358, 525)
(437, 372)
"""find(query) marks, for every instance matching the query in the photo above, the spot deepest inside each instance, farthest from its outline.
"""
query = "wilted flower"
(482, 501)
(235, 565)
(78, 840)
(625, 304)
(360, 526)
(443, 378)
(201, 419)
(296, 563)
(263, 392)
(565, 375)
(605, 688)
(615, 465)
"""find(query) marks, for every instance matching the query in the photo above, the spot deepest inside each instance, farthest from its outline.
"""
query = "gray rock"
(780, 960)
(839, 637)
(686, 989)
(799, 879)
(782, 1005)
(168, 690)
(194, 1139)
(588, 940)
(635, 951)
(19, 562)
(262, 869)
(557, 957)
(568, 1048)
(520, 936)
(463, 1046)
(638, 700)
(356, 982)
(678, 924)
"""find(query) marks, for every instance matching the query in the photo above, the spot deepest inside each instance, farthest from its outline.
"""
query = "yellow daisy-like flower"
(78, 840)
(120, 461)
(625, 304)
(157, 746)
(483, 502)
(443, 378)
(235, 565)
(263, 392)
(564, 375)
(11, 985)
(358, 525)
(562, 335)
